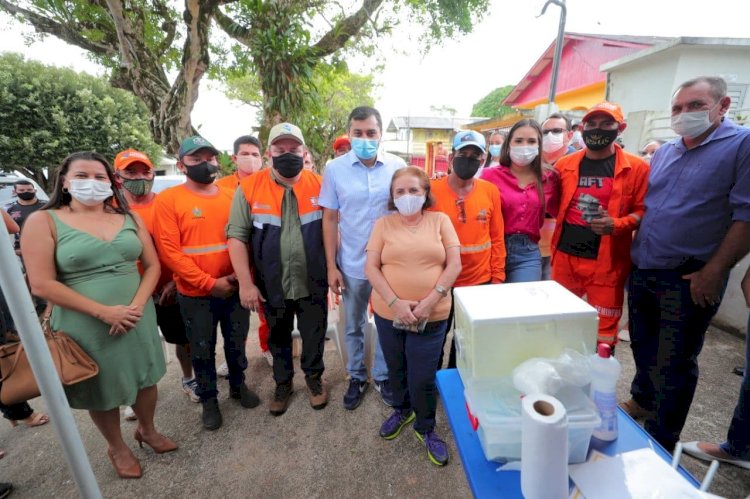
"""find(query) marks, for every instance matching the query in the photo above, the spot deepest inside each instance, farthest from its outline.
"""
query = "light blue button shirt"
(360, 193)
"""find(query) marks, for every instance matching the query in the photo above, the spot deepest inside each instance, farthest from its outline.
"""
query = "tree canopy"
(323, 113)
(48, 112)
(160, 51)
(491, 105)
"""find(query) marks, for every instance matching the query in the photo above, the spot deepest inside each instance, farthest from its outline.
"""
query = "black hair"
(558, 116)
(22, 182)
(362, 113)
(247, 139)
(61, 197)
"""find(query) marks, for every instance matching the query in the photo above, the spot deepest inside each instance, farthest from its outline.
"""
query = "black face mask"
(465, 167)
(203, 173)
(597, 139)
(288, 164)
(26, 196)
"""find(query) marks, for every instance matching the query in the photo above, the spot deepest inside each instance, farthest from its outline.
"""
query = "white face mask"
(409, 204)
(691, 124)
(553, 142)
(89, 191)
(523, 155)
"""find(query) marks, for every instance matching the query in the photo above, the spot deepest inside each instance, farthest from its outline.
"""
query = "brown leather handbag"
(72, 363)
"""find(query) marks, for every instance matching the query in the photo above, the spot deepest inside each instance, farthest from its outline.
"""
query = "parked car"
(7, 181)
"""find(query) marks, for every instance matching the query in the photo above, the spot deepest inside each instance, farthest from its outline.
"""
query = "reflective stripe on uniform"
(267, 219)
(609, 312)
(476, 248)
(311, 217)
(202, 250)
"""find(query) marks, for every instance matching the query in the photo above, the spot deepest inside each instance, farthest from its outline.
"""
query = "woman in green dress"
(81, 252)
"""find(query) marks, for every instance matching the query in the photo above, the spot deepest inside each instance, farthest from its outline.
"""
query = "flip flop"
(695, 451)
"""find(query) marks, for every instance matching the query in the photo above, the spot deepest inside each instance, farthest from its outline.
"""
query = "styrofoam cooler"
(500, 326)
(496, 405)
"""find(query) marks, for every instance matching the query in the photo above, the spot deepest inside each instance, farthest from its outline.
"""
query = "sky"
(505, 43)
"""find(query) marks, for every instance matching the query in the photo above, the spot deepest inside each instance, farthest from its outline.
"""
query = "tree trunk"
(141, 72)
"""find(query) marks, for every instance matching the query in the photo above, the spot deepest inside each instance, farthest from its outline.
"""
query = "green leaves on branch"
(47, 113)
(491, 105)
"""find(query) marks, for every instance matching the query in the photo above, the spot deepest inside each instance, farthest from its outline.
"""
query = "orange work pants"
(577, 275)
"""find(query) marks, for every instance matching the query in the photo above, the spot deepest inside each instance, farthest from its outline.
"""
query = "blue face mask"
(365, 148)
(495, 150)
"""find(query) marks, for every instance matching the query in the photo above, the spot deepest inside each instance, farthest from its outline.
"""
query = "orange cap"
(610, 108)
(342, 140)
(130, 156)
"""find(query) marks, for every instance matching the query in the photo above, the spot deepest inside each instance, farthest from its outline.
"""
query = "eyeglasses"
(461, 210)
(553, 130)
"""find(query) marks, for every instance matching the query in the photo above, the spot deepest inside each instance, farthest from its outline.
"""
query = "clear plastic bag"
(548, 376)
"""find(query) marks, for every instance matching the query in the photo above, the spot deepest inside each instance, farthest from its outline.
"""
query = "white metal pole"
(22, 309)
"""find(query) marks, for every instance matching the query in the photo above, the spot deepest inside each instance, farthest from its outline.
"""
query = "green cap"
(194, 144)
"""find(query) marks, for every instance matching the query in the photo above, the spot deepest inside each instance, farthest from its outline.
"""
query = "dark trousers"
(16, 412)
(201, 315)
(412, 360)
(312, 323)
(666, 332)
(738, 436)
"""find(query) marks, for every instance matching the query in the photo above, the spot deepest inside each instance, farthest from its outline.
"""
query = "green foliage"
(281, 43)
(226, 166)
(490, 106)
(322, 114)
(47, 113)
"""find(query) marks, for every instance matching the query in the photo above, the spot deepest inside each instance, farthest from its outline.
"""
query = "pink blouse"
(521, 208)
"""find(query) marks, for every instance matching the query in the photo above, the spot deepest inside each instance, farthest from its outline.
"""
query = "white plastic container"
(497, 405)
(605, 371)
(499, 326)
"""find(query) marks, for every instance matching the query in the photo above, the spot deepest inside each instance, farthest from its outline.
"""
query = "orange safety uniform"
(265, 197)
(146, 212)
(478, 221)
(602, 280)
(191, 238)
(231, 182)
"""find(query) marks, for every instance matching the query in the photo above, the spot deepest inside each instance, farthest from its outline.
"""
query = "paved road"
(307, 453)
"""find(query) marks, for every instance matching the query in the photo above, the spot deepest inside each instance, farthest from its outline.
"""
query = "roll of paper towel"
(544, 448)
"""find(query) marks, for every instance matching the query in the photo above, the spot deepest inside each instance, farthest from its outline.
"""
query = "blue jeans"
(201, 315)
(738, 436)
(523, 262)
(666, 335)
(356, 296)
(412, 360)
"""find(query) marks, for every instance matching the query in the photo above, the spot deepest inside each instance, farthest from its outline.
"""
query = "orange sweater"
(191, 237)
(228, 182)
(480, 230)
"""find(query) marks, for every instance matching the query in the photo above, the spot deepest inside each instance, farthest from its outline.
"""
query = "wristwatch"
(441, 290)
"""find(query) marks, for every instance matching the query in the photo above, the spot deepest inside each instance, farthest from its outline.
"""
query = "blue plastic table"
(481, 474)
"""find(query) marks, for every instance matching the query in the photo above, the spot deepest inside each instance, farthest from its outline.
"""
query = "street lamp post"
(558, 46)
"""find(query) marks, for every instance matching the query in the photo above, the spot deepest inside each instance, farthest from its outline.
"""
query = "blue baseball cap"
(468, 138)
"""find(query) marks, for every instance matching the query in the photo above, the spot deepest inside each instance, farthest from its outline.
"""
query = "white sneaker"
(130, 414)
(190, 386)
(268, 357)
(223, 370)
(623, 335)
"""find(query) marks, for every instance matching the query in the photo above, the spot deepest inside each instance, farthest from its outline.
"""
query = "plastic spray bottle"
(605, 370)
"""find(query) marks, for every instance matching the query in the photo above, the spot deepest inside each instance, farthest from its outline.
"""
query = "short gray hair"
(718, 85)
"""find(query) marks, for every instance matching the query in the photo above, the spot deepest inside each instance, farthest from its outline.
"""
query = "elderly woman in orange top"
(413, 258)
